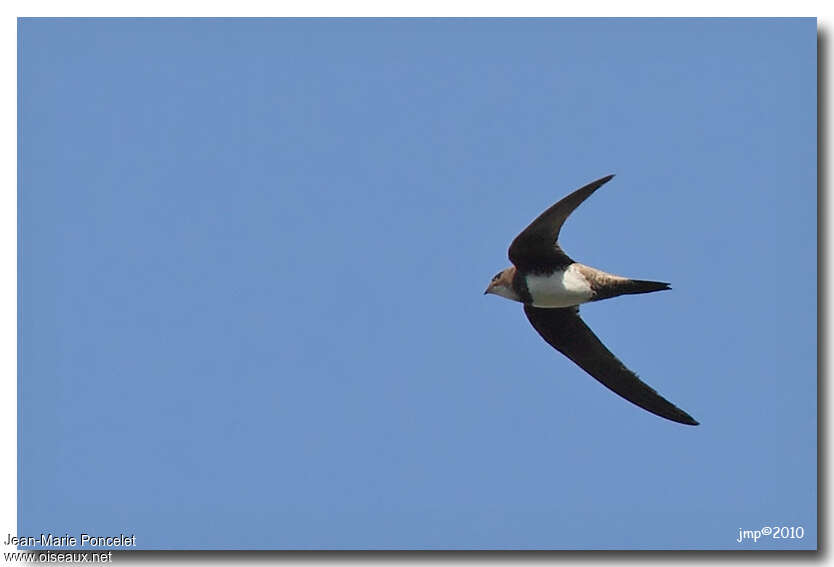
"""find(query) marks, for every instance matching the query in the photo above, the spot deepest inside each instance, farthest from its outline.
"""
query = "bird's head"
(502, 284)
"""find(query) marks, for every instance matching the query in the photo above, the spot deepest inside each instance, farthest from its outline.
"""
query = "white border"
(8, 281)
(254, 8)
(413, 8)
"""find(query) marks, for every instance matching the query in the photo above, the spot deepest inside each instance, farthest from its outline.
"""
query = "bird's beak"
(487, 289)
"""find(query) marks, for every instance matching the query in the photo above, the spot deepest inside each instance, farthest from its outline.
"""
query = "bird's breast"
(562, 288)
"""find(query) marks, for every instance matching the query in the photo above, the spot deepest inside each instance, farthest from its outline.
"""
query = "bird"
(552, 286)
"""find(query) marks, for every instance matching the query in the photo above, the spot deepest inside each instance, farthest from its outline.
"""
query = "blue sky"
(253, 252)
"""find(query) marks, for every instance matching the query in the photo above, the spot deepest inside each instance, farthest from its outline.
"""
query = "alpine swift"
(552, 286)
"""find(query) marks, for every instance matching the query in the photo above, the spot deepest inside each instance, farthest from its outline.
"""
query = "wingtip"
(685, 418)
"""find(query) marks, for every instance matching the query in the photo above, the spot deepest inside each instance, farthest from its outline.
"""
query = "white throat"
(505, 291)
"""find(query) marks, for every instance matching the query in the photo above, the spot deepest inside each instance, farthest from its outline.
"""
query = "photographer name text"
(49, 540)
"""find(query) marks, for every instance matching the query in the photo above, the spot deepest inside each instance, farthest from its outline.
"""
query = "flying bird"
(552, 286)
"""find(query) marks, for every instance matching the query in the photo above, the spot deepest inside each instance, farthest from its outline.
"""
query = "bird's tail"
(643, 286)
(626, 286)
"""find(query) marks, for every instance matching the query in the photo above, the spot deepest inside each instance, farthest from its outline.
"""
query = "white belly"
(560, 289)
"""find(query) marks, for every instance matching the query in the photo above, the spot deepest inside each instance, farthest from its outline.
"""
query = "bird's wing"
(536, 247)
(568, 333)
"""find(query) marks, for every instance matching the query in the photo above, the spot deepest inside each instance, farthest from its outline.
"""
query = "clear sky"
(253, 253)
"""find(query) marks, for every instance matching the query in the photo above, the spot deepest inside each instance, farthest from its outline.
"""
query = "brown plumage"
(607, 285)
(551, 286)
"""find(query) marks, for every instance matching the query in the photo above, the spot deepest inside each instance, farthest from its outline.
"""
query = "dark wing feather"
(535, 249)
(568, 333)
